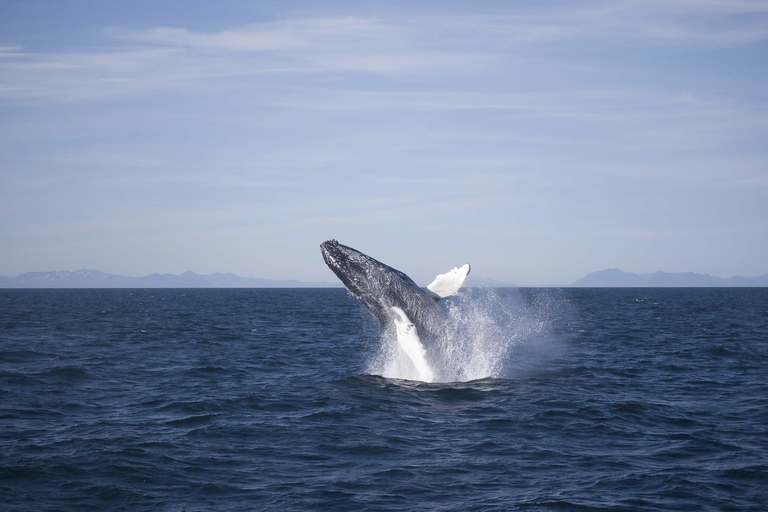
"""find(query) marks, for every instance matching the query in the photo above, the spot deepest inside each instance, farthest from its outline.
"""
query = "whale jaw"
(359, 273)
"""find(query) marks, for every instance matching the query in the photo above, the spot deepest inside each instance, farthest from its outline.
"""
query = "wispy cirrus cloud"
(167, 58)
(628, 22)
(313, 34)
(159, 59)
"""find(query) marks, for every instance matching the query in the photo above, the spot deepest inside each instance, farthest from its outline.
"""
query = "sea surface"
(287, 399)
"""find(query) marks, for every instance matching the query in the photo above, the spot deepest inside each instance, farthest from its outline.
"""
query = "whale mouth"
(350, 266)
(331, 251)
(337, 257)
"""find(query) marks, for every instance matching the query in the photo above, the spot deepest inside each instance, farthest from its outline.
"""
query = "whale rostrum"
(395, 300)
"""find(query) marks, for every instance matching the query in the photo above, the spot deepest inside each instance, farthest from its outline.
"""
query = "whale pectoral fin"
(449, 283)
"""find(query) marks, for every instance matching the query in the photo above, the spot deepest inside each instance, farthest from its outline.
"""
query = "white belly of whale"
(409, 342)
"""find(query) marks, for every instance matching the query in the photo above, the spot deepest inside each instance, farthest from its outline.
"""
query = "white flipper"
(449, 283)
(408, 339)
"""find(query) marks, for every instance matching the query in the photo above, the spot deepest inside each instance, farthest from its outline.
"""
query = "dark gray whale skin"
(380, 287)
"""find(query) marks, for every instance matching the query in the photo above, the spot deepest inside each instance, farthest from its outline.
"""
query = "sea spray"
(488, 333)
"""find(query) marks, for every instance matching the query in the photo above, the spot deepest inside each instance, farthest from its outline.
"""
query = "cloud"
(290, 35)
(161, 59)
(164, 58)
(714, 6)
(698, 23)
(628, 22)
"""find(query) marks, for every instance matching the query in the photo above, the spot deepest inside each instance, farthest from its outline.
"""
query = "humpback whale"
(396, 301)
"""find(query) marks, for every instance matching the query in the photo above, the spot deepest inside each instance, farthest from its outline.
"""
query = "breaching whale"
(395, 300)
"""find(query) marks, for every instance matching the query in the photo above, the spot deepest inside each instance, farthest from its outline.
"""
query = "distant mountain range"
(86, 278)
(614, 277)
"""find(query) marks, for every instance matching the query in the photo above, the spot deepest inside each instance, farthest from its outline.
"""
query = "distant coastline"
(87, 278)
(609, 278)
(615, 278)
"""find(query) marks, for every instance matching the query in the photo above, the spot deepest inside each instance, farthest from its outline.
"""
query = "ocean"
(292, 399)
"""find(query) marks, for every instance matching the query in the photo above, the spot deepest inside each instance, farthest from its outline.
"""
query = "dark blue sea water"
(191, 400)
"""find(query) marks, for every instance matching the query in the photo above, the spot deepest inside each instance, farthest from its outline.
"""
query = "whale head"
(376, 285)
(360, 273)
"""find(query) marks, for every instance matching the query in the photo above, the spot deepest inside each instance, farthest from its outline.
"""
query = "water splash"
(489, 333)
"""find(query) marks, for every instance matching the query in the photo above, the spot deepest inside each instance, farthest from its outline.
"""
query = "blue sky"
(536, 141)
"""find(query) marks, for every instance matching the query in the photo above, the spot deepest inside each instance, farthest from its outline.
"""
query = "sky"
(537, 141)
